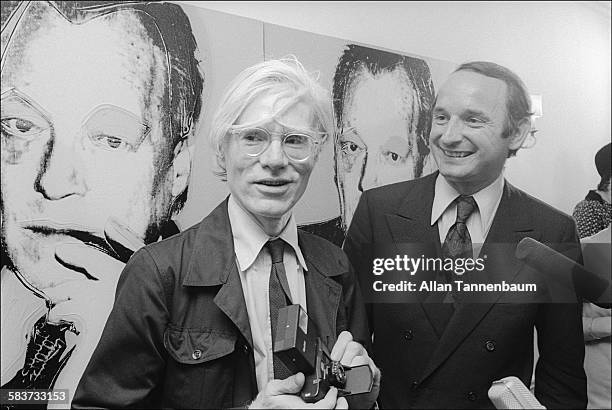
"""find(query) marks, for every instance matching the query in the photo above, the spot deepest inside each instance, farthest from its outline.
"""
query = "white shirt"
(444, 211)
(254, 264)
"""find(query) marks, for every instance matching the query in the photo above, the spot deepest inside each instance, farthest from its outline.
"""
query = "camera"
(302, 352)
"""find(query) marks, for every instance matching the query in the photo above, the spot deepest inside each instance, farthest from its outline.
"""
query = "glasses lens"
(298, 146)
(253, 141)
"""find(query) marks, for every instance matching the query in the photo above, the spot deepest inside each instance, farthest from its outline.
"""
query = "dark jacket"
(424, 366)
(179, 334)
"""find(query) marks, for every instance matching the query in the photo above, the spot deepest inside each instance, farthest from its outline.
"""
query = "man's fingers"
(341, 404)
(123, 240)
(352, 350)
(329, 401)
(290, 385)
(338, 350)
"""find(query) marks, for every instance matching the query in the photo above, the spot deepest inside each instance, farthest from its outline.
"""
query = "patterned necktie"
(277, 298)
(458, 243)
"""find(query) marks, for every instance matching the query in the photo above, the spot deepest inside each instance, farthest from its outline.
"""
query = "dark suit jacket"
(179, 335)
(427, 367)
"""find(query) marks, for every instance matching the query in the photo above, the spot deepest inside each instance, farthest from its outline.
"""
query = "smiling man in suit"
(444, 349)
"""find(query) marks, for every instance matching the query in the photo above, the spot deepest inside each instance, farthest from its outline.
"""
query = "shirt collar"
(487, 199)
(249, 238)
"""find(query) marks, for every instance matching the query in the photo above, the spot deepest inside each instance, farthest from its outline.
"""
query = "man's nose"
(61, 172)
(274, 156)
(452, 132)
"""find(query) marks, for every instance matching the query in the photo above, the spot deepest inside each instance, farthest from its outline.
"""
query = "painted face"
(269, 185)
(378, 140)
(80, 136)
(466, 135)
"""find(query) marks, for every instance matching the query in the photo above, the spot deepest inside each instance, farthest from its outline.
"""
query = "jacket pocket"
(194, 346)
(201, 367)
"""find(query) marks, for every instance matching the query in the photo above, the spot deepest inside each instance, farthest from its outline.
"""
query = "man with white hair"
(195, 315)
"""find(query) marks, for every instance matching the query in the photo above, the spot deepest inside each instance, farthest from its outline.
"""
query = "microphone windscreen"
(564, 276)
(511, 393)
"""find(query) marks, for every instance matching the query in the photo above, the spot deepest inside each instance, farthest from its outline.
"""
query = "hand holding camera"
(348, 368)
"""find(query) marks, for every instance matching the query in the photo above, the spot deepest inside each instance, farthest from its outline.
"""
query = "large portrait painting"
(105, 107)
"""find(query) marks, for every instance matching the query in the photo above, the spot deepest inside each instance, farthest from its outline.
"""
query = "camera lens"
(337, 376)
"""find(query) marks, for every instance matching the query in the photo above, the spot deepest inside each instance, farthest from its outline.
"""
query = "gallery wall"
(560, 49)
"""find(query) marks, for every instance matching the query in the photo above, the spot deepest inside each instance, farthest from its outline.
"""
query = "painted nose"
(370, 177)
(61, 174)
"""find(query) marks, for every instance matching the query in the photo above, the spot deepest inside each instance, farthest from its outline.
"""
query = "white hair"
(286, 78)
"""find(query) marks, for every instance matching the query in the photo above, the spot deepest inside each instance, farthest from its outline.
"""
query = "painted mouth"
(85, 236)
(456, 154)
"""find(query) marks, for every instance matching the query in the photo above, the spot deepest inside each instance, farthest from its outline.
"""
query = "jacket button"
(415, 385)
(196, 354)
(245, 348)
(490, 345)
(472, 396)
(408, 335)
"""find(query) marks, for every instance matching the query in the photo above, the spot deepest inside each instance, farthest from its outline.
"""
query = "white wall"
(560, 49)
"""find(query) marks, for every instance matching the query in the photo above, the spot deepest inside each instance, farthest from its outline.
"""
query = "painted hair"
(286, 78)
(169, 29)
(518, 101)
(356, 59)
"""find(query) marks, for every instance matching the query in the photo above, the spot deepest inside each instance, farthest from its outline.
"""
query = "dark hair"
(518, 101)
(603, 163)
(356, 58)
(169, 29)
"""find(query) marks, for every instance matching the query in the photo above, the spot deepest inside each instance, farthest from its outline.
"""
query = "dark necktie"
(278, 297)
(457, 244)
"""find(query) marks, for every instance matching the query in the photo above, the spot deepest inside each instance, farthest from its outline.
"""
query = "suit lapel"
(512, 222)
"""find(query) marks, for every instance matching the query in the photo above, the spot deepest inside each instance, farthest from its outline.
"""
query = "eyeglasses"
(254, 141)
(107, 127)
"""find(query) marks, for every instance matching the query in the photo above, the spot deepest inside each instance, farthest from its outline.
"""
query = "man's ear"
(181, 167)
(518, 138)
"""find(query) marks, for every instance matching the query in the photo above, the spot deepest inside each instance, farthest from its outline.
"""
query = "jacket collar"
(213, 263)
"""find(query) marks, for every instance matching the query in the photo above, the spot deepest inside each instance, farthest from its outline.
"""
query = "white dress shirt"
(254, 264)
(444, 211)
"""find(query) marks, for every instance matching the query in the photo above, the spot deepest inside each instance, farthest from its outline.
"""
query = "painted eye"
(349, 147)
(110, 142)
(21, 127)
(392, 157)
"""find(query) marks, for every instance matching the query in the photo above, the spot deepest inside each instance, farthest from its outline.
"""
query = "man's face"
(466, 134)
(79, 138)
(269, 185)
(378, 140)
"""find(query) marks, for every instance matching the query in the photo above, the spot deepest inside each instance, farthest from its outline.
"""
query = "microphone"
(567, 274)
(511, 393)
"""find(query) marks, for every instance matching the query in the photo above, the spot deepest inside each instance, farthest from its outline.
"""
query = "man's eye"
(296, 140)
(253, 137)
(440, 119)
(21, 127)
(475, 122)
(110, 142)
